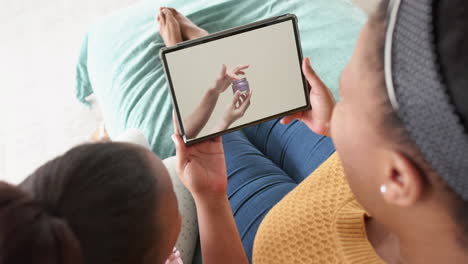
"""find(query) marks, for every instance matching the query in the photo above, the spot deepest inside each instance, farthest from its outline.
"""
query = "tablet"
(236, 78)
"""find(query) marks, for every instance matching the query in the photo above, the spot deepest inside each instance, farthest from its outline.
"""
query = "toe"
(173, 10)
(169, 17)
(166, 13)
(163, 19)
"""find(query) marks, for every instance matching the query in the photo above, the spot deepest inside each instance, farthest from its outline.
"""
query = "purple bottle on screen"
(241, 85)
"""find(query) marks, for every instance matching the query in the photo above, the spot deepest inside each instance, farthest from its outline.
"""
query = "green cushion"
(119, 60)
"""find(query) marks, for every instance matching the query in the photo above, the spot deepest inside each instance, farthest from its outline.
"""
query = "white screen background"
(274, 74)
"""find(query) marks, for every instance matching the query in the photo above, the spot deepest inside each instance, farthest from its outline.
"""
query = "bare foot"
(188, 28)
(169, 28)
(100, 135)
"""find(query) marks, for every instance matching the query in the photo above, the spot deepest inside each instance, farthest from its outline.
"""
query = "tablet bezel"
(224, 34)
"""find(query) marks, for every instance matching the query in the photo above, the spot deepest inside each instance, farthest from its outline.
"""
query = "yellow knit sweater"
(318, 222)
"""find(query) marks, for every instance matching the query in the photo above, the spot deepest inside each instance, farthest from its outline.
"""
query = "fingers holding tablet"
(322, 103)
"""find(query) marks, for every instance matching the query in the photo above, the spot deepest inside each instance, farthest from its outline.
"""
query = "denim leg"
(294, 147)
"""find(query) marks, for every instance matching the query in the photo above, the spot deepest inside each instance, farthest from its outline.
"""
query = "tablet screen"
(236, 80)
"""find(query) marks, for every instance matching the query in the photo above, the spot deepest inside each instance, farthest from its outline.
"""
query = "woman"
(398, 191)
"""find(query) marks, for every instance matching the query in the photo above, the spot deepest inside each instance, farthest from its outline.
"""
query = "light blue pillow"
(120, 64)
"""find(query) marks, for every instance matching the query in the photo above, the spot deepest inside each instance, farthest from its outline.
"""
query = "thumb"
(179, 144)
(288, 119)
(317, 87)
(181, 152)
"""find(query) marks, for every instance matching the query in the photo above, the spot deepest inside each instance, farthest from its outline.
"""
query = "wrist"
(213, 201)
(224, 123)
(220, 85)
(214, 91)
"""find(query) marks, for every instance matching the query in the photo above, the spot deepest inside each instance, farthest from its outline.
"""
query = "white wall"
(39, 46)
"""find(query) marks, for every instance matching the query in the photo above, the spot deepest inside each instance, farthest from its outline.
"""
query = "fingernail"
(173, 137)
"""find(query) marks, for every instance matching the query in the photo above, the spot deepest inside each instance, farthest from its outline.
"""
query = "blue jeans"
(264, 164)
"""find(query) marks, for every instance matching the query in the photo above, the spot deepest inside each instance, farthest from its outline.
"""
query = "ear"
(403, 181)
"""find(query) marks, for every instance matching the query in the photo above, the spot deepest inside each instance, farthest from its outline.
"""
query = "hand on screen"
(236, 72)
(322, 101)
(201, 167)
(237, 108)
(226, 76)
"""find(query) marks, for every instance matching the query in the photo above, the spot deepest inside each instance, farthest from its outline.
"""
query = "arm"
(220, 240)
(195, 122)
(201, 168)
